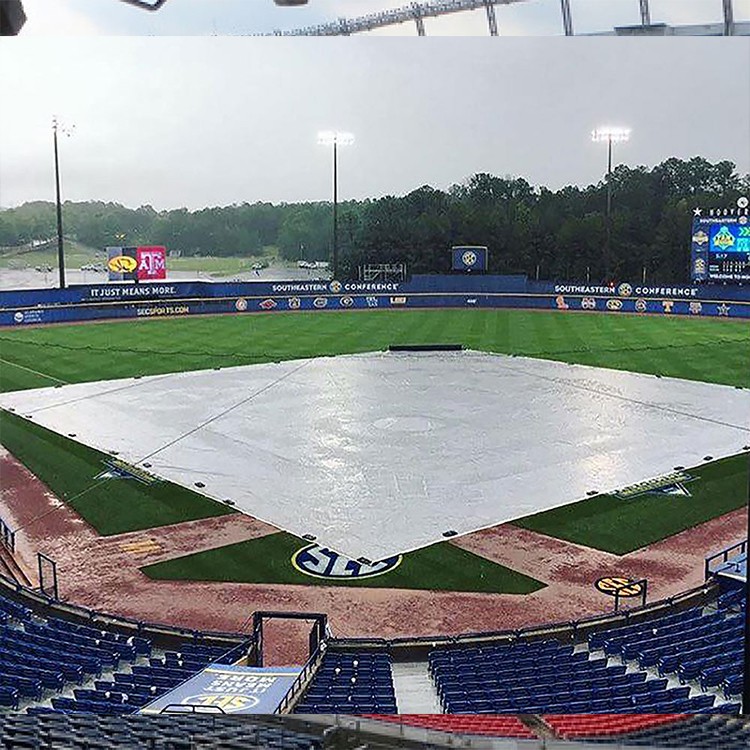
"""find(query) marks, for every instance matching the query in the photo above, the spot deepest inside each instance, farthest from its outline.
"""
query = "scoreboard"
(721, 245)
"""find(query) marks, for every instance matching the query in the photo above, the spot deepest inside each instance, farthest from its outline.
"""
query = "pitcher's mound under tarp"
(373, 455)
(233, 690)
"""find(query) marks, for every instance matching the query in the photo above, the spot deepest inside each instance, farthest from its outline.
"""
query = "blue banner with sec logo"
(469, 258)
(234, 690)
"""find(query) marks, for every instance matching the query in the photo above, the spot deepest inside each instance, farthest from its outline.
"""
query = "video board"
(721, 245)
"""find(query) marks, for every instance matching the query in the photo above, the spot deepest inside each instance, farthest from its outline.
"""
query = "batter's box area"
(374, 455)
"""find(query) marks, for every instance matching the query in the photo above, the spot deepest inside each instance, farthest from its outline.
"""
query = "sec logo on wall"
(321, 562)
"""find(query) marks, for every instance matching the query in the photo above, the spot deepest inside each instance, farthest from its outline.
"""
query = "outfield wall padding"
(171, 299)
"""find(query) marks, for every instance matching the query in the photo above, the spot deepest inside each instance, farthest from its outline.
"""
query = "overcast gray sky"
(526, 17)
(215, 120)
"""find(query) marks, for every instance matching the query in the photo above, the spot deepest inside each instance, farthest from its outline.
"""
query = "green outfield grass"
(706, 349)
(620, 526)
(440, 567)
(110, 506)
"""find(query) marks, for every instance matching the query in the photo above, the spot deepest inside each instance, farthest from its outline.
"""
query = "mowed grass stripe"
(440, 567)
(703, 349)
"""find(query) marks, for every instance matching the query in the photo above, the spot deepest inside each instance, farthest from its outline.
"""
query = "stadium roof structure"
(378, 454)
(417, 12)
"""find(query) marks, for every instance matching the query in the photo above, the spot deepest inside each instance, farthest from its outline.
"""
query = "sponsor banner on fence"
(234, 690)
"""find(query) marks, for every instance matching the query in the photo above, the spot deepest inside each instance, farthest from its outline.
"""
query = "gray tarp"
(381, 453)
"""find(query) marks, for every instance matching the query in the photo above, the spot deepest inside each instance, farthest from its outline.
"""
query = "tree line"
(533, 230)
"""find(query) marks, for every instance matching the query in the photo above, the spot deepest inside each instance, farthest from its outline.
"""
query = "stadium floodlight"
(335, 138)
(67, 131)
(609, 134)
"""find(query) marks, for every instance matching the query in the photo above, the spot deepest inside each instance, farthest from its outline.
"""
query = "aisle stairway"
(415, 690)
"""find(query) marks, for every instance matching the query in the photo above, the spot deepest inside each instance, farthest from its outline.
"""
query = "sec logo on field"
(619, 585)
(625, 290)
(335, 287)
(321, 562)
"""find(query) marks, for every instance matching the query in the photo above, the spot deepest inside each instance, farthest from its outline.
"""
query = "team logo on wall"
(295, 303)
(346, 302)
(321, 562)
(561, 303)
(241, 304)
(268, 304)
(18, 317)
(667, 305)
(398, 300)
(641, 305)
(117, 469)
(624, 290)
(588, 303)
(320, 302)
(619, 586)
(614, 304)
(371, 301)
(670, 484)
(699, 267)
(700, 238)
(335, 287)
(723, 309)
(469, 258)
(695, 308)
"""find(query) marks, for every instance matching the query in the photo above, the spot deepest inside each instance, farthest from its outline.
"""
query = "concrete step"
(415, 690)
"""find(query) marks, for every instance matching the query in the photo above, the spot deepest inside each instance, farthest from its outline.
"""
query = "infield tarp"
(378, 454)
(235, 690)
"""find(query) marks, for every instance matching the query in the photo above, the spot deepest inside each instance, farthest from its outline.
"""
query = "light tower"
(60, 251)
(335, 138)
(610, 135)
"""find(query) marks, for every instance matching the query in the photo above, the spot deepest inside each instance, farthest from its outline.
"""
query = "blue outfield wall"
(173, 299)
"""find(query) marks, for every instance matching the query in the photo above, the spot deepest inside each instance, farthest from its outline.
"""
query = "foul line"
(36, 372)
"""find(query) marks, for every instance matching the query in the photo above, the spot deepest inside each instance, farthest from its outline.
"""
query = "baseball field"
(710, 350)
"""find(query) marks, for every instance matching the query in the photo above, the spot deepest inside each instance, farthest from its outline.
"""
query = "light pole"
(60, 252)
(609, 135)
(335, 139)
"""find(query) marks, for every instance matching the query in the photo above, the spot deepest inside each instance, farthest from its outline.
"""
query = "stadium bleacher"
(55, 731)
(358, 682)
(101, 671)
(492, 726)
(675, 663)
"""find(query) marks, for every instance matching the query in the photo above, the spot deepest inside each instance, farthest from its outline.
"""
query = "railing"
(724, 555)
(571, 631)
(7, 536)
(300, 683)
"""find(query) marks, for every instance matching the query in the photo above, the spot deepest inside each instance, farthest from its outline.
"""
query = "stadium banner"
(122, 263)
(152, 263)
(164, 299)
(234, 690)
(147, 263)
